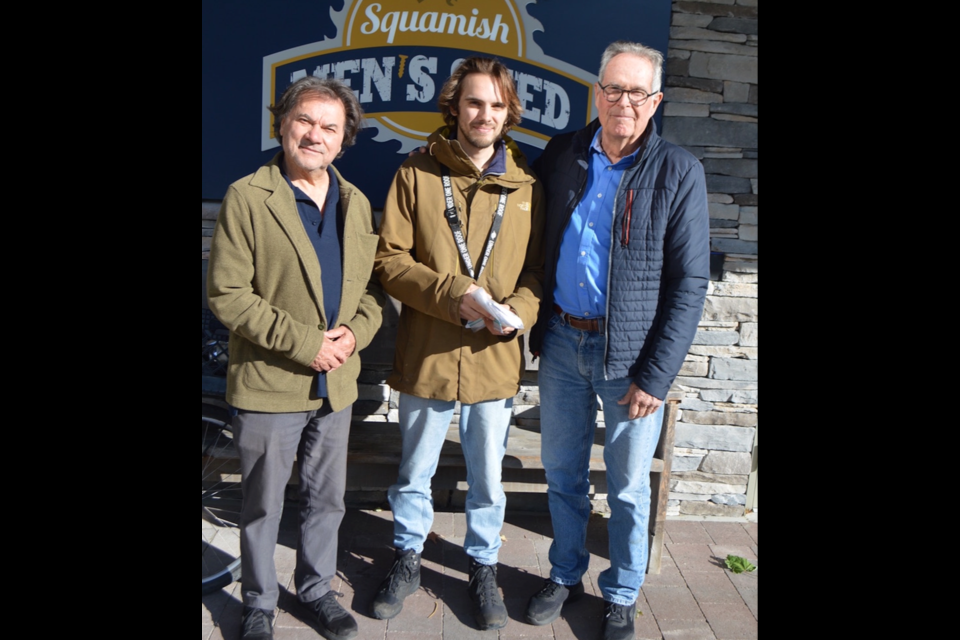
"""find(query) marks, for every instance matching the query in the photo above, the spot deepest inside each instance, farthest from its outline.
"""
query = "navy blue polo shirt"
(325, 229)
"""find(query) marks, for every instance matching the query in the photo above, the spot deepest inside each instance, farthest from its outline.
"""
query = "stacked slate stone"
(712, 109)
(208, 220)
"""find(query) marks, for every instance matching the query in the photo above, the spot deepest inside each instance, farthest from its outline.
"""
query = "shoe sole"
(486, 626)
(332, 636)
(491, 627)
(572, 599)
(384, 617)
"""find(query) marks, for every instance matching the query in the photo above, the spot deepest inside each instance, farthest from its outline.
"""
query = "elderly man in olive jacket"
(290, 276)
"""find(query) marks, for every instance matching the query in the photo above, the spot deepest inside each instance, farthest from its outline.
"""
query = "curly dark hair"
(451, 93)
(313, 87)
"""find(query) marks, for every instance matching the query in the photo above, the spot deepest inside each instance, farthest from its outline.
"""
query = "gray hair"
(635, 48)
(329, 88)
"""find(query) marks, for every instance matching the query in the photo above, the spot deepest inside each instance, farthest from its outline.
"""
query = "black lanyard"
(454, 221)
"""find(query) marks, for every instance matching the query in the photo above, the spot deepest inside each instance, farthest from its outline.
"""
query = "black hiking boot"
(402, 582)
(545, 607)
(620, 622)
(491, 612)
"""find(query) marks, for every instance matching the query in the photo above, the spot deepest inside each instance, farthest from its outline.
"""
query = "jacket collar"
(584, 140)
(270, 177)
(451, 154)
(283, 206)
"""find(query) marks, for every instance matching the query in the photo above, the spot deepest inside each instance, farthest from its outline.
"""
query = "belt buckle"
(569, 319)
(587, 323)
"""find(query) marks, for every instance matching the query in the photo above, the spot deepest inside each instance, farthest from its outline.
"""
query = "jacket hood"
(451, 154)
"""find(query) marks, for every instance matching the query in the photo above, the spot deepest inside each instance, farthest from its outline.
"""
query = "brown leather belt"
(596, 325)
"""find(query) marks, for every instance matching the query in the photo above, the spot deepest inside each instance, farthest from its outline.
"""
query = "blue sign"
(395, 55)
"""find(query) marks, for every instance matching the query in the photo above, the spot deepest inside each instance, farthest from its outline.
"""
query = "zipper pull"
(627, 220)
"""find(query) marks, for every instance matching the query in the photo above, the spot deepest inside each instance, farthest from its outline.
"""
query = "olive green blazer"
(264, 284)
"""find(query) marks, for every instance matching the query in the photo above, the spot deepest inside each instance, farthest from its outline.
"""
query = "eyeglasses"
(637, 97)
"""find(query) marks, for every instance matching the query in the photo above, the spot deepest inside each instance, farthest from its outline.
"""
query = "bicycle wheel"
(222, 497)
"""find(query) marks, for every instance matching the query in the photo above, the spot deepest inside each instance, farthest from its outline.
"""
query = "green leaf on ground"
(740, 565)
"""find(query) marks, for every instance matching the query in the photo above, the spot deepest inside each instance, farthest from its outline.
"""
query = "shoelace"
(258, 622)
(551, 589)
(330, 608)
(402, 571)
(487, 579)
(616, 613)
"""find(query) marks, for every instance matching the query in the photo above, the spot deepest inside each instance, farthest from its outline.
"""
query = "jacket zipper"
(606, 334)
(628, 213)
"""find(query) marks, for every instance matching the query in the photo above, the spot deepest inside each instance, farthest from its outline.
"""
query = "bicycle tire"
(222, 497)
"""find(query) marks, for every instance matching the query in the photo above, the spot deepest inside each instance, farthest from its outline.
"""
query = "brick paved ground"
(694, 597)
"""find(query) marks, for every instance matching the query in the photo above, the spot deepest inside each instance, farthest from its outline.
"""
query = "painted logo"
(396, 55)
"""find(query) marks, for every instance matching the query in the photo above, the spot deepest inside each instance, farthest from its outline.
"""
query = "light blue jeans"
(484, 429)
(571, 379)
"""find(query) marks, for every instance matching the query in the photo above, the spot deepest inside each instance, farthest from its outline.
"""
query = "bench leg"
(660, 487)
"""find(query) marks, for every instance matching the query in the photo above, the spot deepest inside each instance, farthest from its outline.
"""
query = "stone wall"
(711, 108)
(208, 220)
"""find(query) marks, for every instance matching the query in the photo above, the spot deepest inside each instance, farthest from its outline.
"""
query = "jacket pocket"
(260, 372)
(644, 217)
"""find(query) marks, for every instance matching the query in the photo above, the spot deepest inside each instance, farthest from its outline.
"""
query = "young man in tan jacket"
(495, 202)
(290, 276)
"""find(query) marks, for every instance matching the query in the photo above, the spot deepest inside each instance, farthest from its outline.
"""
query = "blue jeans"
(484, 429)
(571, 379)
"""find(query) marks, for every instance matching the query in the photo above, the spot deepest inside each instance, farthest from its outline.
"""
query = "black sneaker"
(335, 623)
(619, 623)
(402, 582)
(256, 624)
(485, 593)
(545, 607)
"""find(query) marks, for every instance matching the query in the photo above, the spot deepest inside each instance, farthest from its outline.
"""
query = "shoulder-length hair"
(453, 89)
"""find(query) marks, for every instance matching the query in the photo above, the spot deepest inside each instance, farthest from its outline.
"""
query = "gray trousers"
(268, 445)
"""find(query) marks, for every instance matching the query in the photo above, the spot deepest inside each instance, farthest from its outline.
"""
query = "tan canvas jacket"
(264, 284)
(419, 264)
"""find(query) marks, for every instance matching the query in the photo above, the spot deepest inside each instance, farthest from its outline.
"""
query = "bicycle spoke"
(221, 498)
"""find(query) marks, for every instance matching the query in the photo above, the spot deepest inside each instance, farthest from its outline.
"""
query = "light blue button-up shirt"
(584, 267)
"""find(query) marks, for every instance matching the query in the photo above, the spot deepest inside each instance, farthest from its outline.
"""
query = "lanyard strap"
(454, 221)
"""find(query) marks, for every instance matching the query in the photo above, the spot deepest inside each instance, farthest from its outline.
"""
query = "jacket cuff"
(656, 390)
(527, 311)
(360, 334)
(459, 288)
(311, 348)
